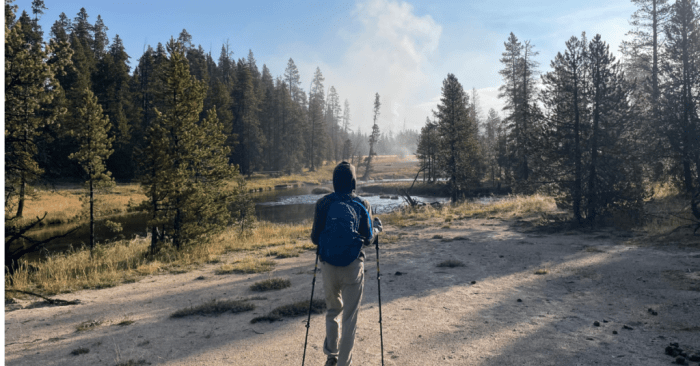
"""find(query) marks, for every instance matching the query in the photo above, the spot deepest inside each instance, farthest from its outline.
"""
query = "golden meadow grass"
(508, 207)
(126, 261)
(69, 205)
(387, 166)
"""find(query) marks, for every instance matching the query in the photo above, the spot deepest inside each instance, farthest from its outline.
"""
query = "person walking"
(342, 226)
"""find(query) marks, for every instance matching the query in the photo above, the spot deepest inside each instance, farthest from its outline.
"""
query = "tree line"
(593, 130)
(183, 124)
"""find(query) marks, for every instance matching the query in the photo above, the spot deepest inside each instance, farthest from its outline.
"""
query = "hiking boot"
(331, 361)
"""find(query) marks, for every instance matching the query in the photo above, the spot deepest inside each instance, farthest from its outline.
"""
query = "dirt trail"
(432, 315)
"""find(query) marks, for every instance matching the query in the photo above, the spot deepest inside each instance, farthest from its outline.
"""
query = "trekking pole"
(308, 321)
(379, 289)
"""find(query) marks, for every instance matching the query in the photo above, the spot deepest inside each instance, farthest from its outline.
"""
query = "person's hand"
(377, 224)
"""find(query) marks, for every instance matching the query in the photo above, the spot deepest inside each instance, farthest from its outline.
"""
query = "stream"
(289, 206)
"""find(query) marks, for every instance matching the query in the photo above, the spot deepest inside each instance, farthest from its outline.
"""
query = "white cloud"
(388, 53)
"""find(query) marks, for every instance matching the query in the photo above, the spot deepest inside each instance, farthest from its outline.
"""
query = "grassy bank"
(69, 204)
(507, 208)
(383, 167)
(127, 261)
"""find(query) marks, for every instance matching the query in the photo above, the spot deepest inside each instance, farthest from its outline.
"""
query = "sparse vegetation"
(79, 351)
(451, 263)
(88, 325)
(214, 307)
(505, 208)
(292, 310)
(289, 250)
(127, 260)
(125, 322)
(134, 363)
(271, 284)
(248, 264)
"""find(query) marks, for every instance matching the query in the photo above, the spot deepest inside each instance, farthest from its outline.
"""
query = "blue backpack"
(340, 243)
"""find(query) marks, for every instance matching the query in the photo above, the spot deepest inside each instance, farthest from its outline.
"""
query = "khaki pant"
(343, 287)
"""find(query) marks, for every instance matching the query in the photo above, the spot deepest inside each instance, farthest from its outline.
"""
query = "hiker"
(342, 226)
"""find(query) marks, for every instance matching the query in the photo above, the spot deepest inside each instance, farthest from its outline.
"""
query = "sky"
(402, 50)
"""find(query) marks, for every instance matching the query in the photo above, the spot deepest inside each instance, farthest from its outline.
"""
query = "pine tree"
(332, 123)
(346, 117)
(94, 148)
(642, 52)
(246, 123)
(681, 90)
(613, 167)
(100, 39)
(519, 93)
(458, 147)
(373, 138)
(30, 87)
(317, 136)
(113, 91)
(643, 57)
(427, 150)
(490, 144)
(564, 99)
(186, 163)
(293, 80)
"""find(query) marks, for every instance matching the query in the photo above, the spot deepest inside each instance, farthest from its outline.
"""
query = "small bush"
(88, 325)
(271, 284)
(285, 251)
(292, 310)
(451, 263)
(134, 363)
(79, 351)
(214, 307)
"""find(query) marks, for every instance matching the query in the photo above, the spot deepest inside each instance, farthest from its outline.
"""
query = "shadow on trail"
(487, 260)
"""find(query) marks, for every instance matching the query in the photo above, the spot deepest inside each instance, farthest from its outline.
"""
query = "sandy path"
(432, 316)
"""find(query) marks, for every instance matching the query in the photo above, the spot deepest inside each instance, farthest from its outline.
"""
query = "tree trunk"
(592, 194)
(22, 193)
(92, 216)
(576, 194)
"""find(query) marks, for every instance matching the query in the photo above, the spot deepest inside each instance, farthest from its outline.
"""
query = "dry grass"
(124, 323)
(298, 308)
(266, 182)
(126, 261)
(383, 167)
(88, 325)
(289, 250)
(271, 284)
(248, 264)
(451, 263)
(67, 205)
(666, 210)
(214, 307)
(506, 208)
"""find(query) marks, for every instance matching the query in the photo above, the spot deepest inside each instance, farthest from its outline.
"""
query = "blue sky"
(400, 49)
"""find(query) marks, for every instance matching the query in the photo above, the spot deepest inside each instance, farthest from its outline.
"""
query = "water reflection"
(294, 205)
